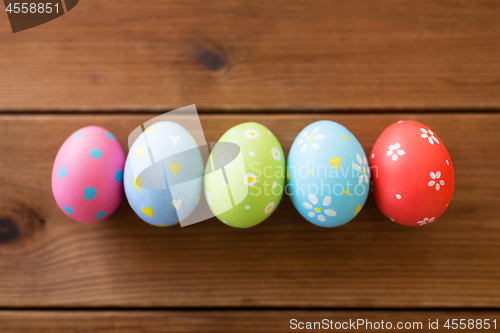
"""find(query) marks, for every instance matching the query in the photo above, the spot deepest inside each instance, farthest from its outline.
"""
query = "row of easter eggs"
(327, 176)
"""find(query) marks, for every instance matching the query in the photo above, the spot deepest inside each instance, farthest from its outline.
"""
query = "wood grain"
(216, 321)
(48, 260)
(249, 55)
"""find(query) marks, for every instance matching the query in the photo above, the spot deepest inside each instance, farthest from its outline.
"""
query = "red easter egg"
(412, 174)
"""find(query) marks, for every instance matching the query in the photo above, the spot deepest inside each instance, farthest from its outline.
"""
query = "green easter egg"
(245, 175)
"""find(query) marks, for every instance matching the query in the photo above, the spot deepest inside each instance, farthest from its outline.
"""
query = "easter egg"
(87, 175)
(245, 175)
(328, 174)
(163, 174)
(412, 174)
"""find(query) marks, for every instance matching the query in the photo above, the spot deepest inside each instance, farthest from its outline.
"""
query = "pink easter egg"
(87, 175)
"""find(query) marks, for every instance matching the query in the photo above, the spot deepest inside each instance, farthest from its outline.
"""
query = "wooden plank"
(48, 260)
(247, 55)
(229, 321)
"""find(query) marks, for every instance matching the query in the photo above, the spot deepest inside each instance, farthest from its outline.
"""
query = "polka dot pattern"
(95, 153)
(111, 136)
(62, 172)
(89, 193)
(100, 214)
(87, 175)
(118, 176)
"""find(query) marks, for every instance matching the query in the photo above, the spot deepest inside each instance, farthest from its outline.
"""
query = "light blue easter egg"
(163, 175)
(328, 174)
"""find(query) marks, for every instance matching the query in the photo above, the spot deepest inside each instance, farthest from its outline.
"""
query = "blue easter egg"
(163, 175)
(328, 174)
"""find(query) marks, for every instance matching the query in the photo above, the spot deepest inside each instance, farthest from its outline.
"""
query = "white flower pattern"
(225, 158)
(394, 151)
(435, 180)
(314, 201)
(275, 153)
(250, 179)
(426, 220)
(309, 138)
(269, 208)
(362, 166)
(429, 135)
(251, 134)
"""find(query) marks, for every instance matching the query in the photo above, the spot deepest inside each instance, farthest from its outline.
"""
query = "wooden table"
(364, 64)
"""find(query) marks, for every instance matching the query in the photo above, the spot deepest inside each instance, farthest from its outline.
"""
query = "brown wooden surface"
(259, 54)
(216, 321)
(380, 60)
(48, 260)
